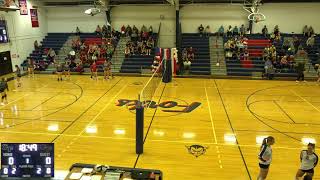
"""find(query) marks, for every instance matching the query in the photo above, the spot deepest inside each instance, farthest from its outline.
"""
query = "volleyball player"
(66, 69)
(30, 68)
(265, 157)
(59, 71)
(309, 160)
(18, 74)
(107, 69)
(3, 90)
(318, 72)
(94, 71)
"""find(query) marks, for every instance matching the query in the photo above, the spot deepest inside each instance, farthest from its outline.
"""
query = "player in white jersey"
(265, 157)
(309, 160)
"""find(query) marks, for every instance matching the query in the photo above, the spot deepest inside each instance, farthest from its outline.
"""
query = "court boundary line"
(233, 130)
(145, 138)
(211, 118)
(77, 118)
(304, 100)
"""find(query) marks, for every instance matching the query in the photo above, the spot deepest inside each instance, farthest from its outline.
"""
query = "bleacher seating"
(201, 63)
(52, 40)
(256, 44)
(134, 63)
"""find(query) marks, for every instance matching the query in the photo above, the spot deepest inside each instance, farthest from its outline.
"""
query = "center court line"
(233, 131)
(305, 100)
(213, 129)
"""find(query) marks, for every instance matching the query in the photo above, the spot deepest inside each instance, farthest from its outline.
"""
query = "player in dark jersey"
(66, 69)
(18, 74)
(3, 90)
(59, 68)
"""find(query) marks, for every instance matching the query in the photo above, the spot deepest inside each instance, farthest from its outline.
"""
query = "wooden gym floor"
(82, 118)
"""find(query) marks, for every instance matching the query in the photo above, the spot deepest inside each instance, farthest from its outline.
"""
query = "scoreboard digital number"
(27, 160)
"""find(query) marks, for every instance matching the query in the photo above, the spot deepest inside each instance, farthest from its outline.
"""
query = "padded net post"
(139, 126)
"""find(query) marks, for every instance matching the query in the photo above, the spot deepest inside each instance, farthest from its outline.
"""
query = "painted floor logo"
(197, 150)
(172, 106)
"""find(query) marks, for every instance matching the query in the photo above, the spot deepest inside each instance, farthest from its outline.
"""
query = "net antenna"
(252, 7)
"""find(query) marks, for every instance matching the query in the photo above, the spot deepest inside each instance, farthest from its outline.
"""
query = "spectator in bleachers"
(276, 33)
(284, 62)
(286, 44)
(143, 29)
(269, 69)
(123, 30)
(104, 31)
(311, 40)
(265, 31)
(311, 31)
(78, 31)
(296, 43)
(134, 28)
(149, 46)
(235, 31)
(187, 64)
(190, 53)
(128, 31)
(208, 31)
(98, 30)
(201, 29)
(184, 54)
(221, 31)
(305, 31)
(229, 32)
(150, 30)
(300, 68)
(36, 45)
(51, 55)
(242, 30)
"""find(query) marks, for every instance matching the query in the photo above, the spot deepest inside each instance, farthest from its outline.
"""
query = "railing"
(158, 38)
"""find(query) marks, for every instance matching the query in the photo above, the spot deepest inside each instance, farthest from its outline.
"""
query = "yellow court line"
(102, 110)
(211, 118)
(153, 140)
(305, 100)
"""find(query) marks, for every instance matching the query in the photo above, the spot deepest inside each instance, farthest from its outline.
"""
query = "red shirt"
(93, 67)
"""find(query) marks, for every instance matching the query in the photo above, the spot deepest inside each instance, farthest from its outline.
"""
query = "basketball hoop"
(256, 17)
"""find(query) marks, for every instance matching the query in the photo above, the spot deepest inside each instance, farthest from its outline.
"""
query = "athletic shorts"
(264, 166)
(308, 171)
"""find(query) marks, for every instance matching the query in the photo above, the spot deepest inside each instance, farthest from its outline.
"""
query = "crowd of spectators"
(141, 42)
(236, 48)
(91, 51)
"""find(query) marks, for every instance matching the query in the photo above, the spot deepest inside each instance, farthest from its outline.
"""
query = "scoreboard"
(27, 160)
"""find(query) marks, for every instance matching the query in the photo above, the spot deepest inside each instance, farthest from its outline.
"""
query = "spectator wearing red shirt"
(94, 72)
